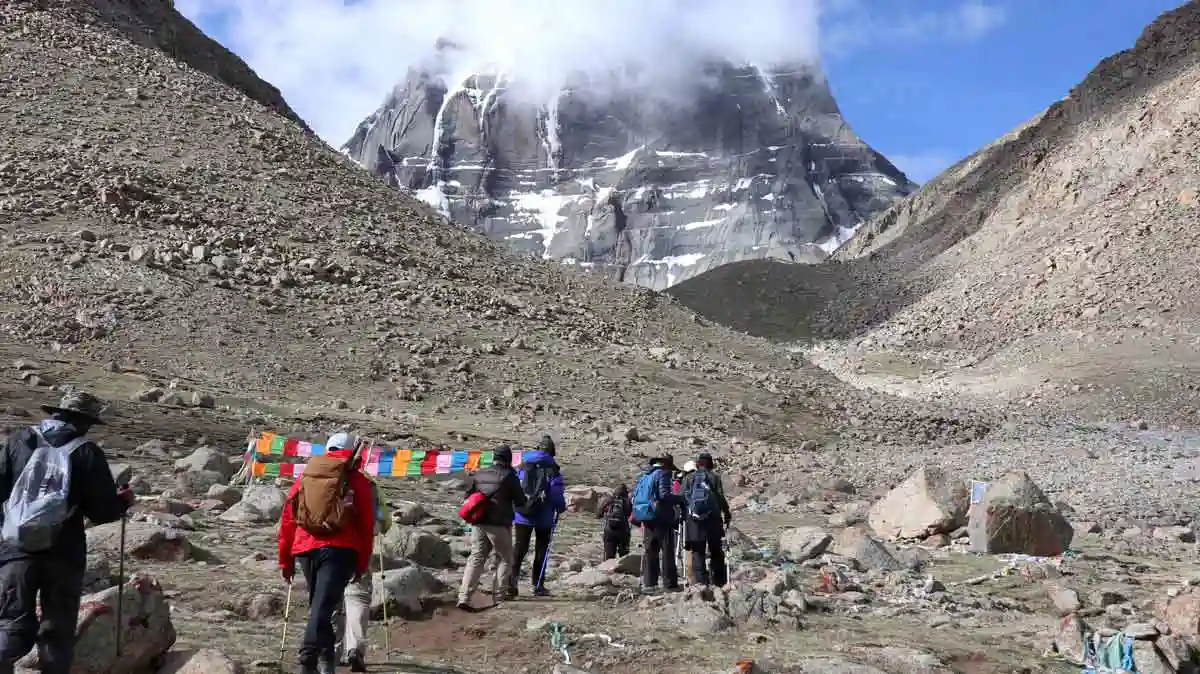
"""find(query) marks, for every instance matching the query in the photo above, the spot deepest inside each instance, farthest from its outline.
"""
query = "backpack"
(321, 505)
(37, 508)
(535, 483)
(616, 518)
(700, 501)
(474, 508)
(645, 496)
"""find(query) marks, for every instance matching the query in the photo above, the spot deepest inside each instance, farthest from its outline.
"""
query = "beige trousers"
(355, 616)
(484, 540)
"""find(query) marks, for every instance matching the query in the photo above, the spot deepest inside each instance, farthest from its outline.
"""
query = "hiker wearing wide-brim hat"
(80, 406)
(45, 565)
(654, 508)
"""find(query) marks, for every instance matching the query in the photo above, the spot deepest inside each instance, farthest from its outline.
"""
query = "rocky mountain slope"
(1063, 252)
(187, 236)
(758, 164)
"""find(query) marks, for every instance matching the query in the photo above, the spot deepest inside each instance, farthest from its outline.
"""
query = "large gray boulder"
(260, 504)
(146, 630)
(1015, 516)
(928, 502)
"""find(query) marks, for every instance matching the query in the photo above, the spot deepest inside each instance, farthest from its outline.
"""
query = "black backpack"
(701, 500)
(535, 483)
(616, 519)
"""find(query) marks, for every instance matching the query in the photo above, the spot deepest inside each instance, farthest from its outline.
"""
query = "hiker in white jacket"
(356, 612)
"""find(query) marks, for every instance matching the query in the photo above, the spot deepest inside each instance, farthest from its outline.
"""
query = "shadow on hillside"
(844, 299)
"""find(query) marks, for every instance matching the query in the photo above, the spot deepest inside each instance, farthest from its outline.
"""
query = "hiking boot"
(541, 592)
(357, 662)
(307, 668)
(508, 594)
(327, 667)
(463, 606)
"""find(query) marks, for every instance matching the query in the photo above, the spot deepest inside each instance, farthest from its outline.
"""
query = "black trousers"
(60, 584)
(541, 544)
(616, 543)
(658, 558)
(327, 571)
(706, 543)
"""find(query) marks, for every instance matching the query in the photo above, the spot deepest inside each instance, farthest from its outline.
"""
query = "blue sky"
(926, 82)
(926, 102)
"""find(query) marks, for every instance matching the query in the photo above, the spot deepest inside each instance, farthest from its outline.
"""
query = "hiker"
(498, 484)
(707, 516)
(681, 553)
(356, 609)
(47, 556)
(542, 484)
(328, 526)
(654, 506)
(615, 510)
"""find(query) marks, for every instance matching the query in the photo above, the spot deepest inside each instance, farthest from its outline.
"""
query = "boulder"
(928, 502)
(1149, 660)
(223, 493)
(803, 543)
(585, 499)
(408, 512)
(206, 458)
(868, 551)
(1016, 517)
(203, 661)
(1182, 613)
(1069, 638)
(588, 578)
(143, 540)
(418, 546)
(403, 590)
(1065, 600)
(260, 504)
(630, 565)
(146, 631)
(695, 619)
(195, 483)
(122, 472)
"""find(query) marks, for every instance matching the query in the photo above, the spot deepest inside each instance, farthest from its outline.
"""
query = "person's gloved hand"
(286, 572)
(126, 494)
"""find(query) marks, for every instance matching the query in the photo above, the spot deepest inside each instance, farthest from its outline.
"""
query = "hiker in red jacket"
(332, 543)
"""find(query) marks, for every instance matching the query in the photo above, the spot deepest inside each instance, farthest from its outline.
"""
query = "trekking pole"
(120, 584)
(287, 612)
(387, 637)
(546, 558)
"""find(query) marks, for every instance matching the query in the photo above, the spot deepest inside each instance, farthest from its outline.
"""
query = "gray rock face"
(759, 164)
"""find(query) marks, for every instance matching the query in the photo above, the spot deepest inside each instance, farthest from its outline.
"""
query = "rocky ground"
(174, 245)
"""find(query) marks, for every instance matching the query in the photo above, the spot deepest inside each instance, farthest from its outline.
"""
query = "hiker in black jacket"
(707, 516)
(55, 573)
(494, 530)
(615, 510)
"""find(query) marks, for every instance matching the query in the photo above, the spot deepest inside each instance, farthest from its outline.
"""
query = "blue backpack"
(700, 497)
(645, 496)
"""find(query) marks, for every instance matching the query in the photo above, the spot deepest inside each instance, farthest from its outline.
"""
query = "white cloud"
(849, 25)
(922, 167)
(335, 61)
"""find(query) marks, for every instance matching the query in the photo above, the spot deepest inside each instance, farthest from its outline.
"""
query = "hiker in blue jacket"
(545, 501)
(654, 508)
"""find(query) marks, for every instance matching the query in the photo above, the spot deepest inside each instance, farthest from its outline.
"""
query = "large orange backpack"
(320, 505)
